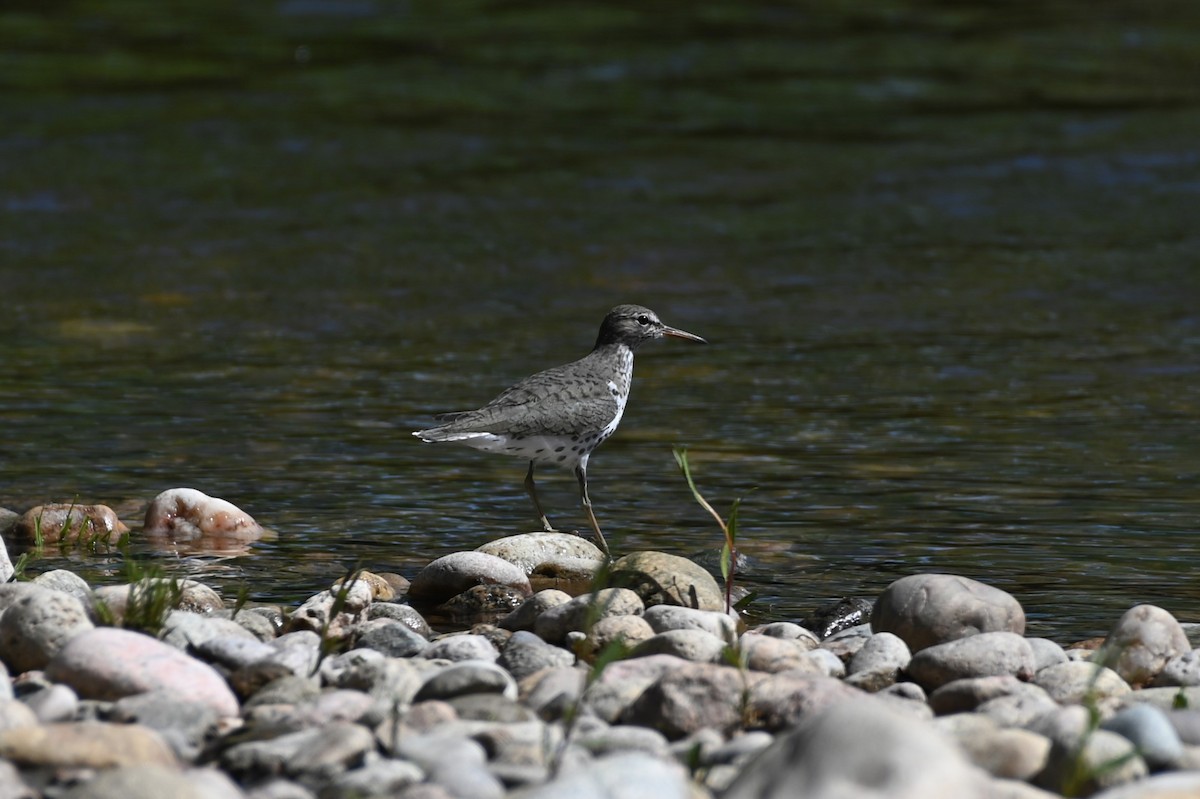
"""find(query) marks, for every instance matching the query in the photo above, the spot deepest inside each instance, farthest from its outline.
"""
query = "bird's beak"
(675, 332)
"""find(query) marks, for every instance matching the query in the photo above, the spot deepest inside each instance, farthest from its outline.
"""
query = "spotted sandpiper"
(557, 417)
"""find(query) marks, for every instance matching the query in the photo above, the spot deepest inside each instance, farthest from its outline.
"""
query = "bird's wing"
(549, 403)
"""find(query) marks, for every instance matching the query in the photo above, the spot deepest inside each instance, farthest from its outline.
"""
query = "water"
(946, 258)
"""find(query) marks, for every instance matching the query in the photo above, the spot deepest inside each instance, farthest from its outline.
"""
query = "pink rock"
(109, 663)
(187, 514)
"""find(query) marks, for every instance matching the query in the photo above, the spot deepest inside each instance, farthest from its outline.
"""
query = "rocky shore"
(588, 679)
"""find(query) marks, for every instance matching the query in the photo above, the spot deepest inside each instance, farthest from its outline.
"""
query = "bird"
(558, 417)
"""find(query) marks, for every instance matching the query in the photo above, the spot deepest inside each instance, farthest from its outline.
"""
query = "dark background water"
(947, 255)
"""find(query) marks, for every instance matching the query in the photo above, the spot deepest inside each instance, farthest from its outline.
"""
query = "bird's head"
(632, 325)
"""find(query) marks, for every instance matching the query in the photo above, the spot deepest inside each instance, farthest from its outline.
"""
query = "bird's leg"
(581, 474)
(532, 489)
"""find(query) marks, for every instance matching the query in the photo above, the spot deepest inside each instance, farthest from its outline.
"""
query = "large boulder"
(929, 609)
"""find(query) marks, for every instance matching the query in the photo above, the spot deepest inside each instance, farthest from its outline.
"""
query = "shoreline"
(643, 681)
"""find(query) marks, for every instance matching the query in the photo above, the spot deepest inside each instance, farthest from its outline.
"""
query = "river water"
(947, 258)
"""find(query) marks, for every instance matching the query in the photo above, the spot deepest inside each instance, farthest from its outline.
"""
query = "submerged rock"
(62, 522)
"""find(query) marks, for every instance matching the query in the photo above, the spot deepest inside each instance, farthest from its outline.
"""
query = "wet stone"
(833, 617)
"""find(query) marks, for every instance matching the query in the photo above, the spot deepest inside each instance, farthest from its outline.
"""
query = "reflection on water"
(949, 279)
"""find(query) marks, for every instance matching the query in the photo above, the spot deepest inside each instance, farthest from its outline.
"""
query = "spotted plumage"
(559, 416)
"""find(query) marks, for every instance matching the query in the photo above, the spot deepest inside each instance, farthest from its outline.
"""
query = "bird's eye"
(643, 320)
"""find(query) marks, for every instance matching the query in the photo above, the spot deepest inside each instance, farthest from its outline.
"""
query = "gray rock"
(769, 654)
(620, 683)
(286, 690)
(338, 747)
(461, 647)
(524, 654)
(380, 779)
(1180, 698)
(1064, 726)
(37, 625)
(1175, 785)
(182, 724)
(258, 625)
(390, 637)
(519, 742)
(908, 691)
(624, 775)
(1018, 709)
(858, 748)
(53, 703)
(827, 663)
(1102, 760)
(1148, 729)
(15, 714)
(662, 618)
(694, 696)
(1046, 653)
(1007, 753)
(233, 652)
(524, 617)
(155, 782)
(11, 784)
(606, 740)
(554, 691)
(400, 612)
(929, 609)
(961, 696)
(739, 748)
(67, 582)
(586, 609)
(530, 551)
(468, 677)
(1181, 670)
(185, 630)
(273, 614)
(1142, 642)
(279, 788)
(780, 701)
(789, 630)
(1187, 725)
(457, 764)
(107, 663)
(662, 579)
(333, 615)
(625, 632)
(693, 645)
(982, 655)
(1073, 681)
(357, 668)
(457, 572)
(490, 707)
(316, 752)
(879, 663)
